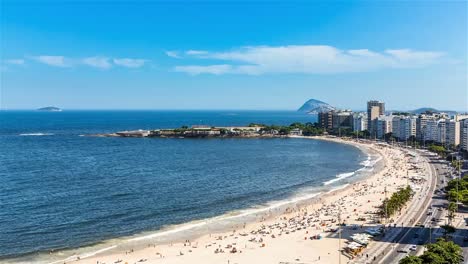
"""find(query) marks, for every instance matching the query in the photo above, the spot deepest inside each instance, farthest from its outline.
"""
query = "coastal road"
(416, 235)
(434, 217)
(396, 237)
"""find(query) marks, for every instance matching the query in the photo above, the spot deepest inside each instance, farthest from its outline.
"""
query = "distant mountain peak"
(50, 109)
(432, 110)
(314, 106)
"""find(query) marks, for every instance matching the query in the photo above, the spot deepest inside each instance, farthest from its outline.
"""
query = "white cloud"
(97, 62)
(196, 52)
(57, 61)
(173, 54)
(129, 63)
(15, 61)
(212, 69)
(418, 57)
(100, 62)
(307, 59)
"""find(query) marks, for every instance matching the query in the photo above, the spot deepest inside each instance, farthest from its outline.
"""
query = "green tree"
(432, 258)
(396, 202)
(411, 260)
(441, 252)
(452, 209)
(458, 190)
(447, 250)
(437, 149)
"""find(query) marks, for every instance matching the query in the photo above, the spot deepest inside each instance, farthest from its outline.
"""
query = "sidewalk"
(415, 211)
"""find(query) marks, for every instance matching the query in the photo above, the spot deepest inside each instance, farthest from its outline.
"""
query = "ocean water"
(61, 190)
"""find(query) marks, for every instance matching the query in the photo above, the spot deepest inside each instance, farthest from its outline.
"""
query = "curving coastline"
(198, 232)
(199, 229)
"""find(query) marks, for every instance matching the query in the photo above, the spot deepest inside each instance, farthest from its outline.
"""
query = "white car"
(413, 248)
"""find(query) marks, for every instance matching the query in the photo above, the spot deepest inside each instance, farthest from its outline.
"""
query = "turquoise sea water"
(59, 189)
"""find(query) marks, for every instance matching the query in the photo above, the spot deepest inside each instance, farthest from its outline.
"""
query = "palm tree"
(452, 209)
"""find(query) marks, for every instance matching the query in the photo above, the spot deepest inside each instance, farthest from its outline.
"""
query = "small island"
(50, 109)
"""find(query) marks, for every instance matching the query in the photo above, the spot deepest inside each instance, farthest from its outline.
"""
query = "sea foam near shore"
(368, 166)
(36, 134)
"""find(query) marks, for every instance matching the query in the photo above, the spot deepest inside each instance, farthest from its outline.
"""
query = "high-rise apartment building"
(403, 127)
(464, 135)
(325, 119)
(359, 122)
(427, 126)
(342, 119)
(374, 110)
(452, 132)
(383, 125)
(441, 132)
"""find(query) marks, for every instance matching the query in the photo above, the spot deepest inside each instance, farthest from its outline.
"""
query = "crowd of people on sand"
(317, 220)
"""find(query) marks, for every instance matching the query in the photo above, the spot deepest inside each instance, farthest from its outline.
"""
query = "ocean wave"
(85, 255)
(340, 177)
(172, 230)
(338, 188)
(368, 164)
(36, 134)
(228, 216)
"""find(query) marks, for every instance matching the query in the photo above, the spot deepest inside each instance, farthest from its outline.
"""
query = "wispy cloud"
(100, 62)
(196, 52)
(212, 69)
(307, 59)
(15, 61)
(173, 54)
(97, 62)
(129, 63)
(57, 61)
(414, 58)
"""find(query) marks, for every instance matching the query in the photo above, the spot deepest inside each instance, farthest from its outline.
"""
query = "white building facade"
(359, 122)
(452, 132)
(403, 127)
(464, 135)
(384, 125)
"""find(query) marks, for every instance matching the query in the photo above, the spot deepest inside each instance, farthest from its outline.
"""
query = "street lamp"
(339, 233)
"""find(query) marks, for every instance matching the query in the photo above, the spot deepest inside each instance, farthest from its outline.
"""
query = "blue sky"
(232, 55)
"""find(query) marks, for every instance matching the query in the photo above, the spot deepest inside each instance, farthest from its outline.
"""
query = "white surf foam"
(243, 213)
(338, 188)
(168, 232)
(368, 164)
(197, 224)
(85, 255)
(36, 134)
(340, 177)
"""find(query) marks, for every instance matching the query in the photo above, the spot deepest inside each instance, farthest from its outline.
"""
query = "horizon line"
(215, 109)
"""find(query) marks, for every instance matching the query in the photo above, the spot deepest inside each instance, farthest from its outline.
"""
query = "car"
(419, 224)
(402, 250)
(413, 248)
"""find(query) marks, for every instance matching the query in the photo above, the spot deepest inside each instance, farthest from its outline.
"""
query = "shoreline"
(267, 214)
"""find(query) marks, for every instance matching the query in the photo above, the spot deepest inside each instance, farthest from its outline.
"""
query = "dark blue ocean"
(61, 190)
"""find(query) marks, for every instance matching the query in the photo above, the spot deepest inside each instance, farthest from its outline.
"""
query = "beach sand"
(285, 237)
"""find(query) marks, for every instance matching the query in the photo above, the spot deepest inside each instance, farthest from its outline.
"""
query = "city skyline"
(235, 56)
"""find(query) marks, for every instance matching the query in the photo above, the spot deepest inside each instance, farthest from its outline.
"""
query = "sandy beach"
(289, 236)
